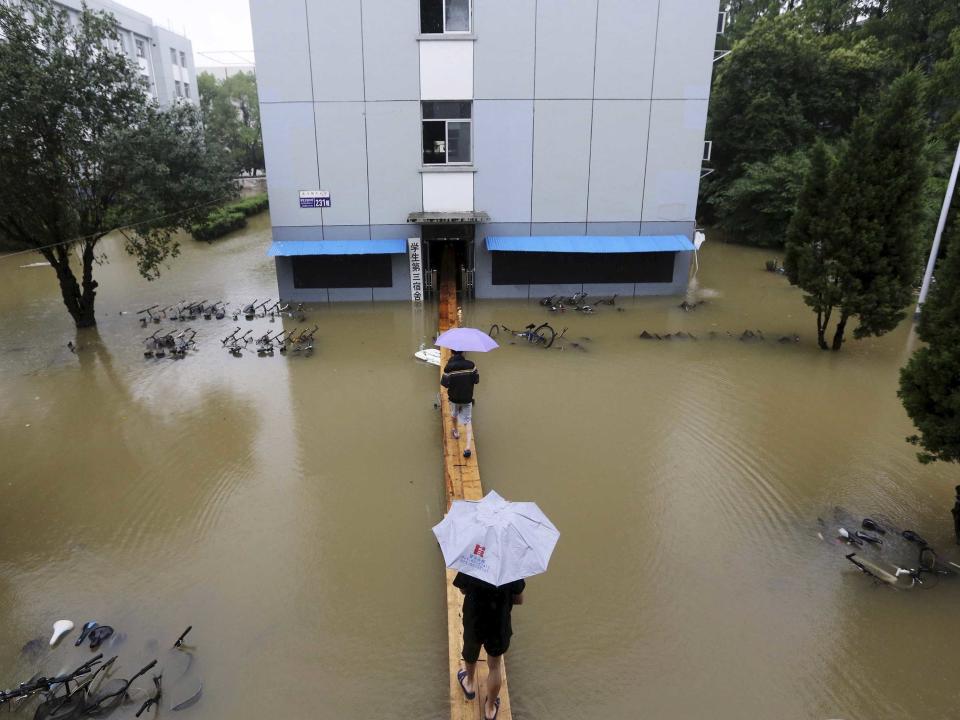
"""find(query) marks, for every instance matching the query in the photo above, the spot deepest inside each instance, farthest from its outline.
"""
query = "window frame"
(183, 59)
(186, 90)
(178, 90)
(173, 56)
(140, 48)
(446, 136)
(443, 12)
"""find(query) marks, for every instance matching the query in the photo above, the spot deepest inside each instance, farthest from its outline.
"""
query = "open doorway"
(457, 240)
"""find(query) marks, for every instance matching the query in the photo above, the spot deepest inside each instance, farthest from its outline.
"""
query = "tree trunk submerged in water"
(838, 334)
(79, 298)
(823, 319)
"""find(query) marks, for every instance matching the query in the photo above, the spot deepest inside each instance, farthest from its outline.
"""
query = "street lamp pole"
(928, 275)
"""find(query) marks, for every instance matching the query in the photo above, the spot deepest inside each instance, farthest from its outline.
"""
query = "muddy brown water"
(282, 506)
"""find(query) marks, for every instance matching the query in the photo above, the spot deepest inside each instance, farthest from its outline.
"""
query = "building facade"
(553, 146)
(165, 59)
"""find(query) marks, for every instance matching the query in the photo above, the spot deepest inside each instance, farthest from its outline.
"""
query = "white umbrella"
(495, 540)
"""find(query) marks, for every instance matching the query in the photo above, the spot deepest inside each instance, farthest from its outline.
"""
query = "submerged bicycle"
(542, 335)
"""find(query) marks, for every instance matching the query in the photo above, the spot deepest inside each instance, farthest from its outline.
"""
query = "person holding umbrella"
(460, 375)
(494, 544)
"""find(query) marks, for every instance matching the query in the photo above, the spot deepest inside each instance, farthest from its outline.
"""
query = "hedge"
(229, 218)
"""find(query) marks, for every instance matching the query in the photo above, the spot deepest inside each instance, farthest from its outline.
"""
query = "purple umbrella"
(467, 340)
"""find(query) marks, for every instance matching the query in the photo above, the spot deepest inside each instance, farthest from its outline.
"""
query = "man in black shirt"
(486, 622)
(459, 377)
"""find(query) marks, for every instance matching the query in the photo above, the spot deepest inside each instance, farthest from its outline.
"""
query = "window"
(176, 86)
(173, 56)
(722, 19)
(707, 150)
(552, 268)
(141, 49)
(342, 271)
(183, 59)
(446, 132)
(186, 90)
(444, 16)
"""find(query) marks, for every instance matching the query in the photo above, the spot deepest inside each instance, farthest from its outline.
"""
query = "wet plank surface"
(462, 480)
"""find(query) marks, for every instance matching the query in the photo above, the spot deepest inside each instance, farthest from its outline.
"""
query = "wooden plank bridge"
(462, 480)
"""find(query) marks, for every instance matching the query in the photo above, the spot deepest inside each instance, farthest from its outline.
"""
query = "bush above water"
(231, 217)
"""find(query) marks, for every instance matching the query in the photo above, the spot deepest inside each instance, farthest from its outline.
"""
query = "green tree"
(759, 204)
(782, 87)
(930, 381)
(231, 116)
(864, 230)
(810, 259)
(83, 151)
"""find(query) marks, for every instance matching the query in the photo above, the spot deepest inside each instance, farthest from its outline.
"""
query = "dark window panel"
(447, 110)
(431, 16)
(342, 271)
(547, 268)
(434, 142)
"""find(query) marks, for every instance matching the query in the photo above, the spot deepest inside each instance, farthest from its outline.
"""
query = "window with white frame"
(177, 89)
(183, 59)
(173, 55)
(445, 16)
(186, 89)
(141, 49)
(446, 132)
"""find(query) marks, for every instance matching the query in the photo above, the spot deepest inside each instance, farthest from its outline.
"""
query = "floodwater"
(282, 506)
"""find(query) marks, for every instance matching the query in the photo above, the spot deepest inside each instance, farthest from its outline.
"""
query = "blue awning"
(591, 243)
(286, 248)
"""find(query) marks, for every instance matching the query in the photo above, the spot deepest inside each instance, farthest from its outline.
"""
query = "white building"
(164, 57)
(554, 146)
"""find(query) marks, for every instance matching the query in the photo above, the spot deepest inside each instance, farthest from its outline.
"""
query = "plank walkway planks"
(462, 480)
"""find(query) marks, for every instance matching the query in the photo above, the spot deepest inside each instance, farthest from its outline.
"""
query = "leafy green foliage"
(231, 115)
(229, 218)
(930, 381)
(760, 203)
(83, 150)
(802, 71)
(852, 244)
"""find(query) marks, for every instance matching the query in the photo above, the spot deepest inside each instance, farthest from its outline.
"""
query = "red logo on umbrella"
(479, 550)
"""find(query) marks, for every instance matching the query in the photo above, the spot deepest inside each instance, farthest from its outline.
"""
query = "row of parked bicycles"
(298, 341)
(190, 311)
(578, 302)
(178, 345)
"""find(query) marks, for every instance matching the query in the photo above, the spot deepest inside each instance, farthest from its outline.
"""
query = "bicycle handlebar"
(29, 688)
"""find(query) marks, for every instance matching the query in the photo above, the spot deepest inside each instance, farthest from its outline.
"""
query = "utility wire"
(116, 229)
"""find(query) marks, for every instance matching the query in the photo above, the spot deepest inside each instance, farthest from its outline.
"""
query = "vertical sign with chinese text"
(416, 270)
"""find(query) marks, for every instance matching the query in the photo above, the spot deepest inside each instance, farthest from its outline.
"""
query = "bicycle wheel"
(545, 335)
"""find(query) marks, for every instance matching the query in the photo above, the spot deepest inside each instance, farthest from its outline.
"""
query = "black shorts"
(479, 629)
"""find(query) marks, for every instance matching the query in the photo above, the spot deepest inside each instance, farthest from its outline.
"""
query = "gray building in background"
(553, 145)
(165, 59)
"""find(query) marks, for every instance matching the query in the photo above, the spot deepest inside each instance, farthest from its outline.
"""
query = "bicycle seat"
(99, 634)
(60, 628)
(913, 537)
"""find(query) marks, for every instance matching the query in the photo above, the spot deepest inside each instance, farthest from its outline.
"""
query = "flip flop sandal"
(496, 704)
(461, 675)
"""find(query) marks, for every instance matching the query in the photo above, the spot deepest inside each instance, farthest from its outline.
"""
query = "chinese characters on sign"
(416, 270)
(315, 199)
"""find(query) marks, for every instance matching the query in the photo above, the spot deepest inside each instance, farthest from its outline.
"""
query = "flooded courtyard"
(282, 506)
